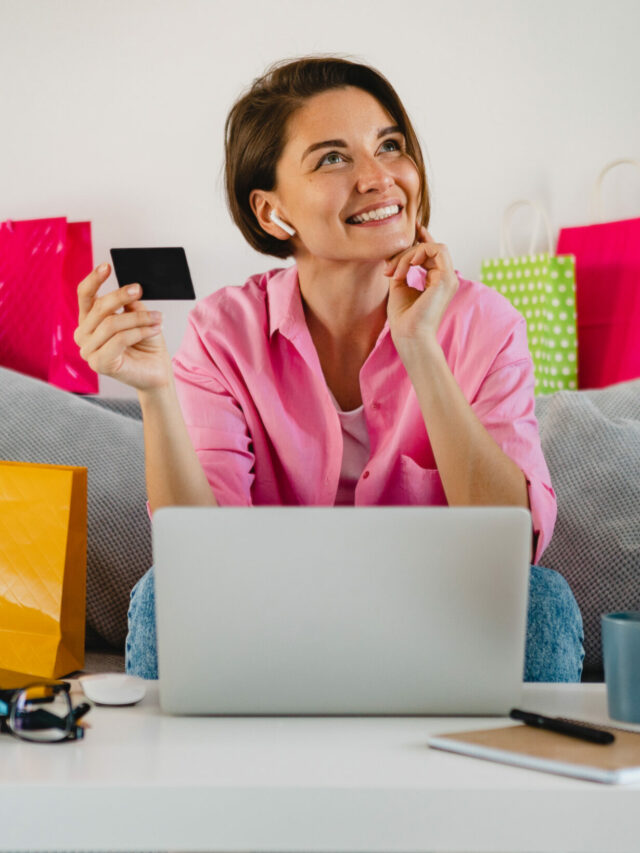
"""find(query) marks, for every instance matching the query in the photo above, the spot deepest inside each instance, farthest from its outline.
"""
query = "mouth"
(381, 216)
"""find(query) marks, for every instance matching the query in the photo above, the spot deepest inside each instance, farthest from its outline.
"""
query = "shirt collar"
(286, 314)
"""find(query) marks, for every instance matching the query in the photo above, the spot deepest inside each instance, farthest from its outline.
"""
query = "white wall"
(113, 111)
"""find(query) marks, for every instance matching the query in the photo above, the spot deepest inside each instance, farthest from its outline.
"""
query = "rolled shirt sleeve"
(505, 404)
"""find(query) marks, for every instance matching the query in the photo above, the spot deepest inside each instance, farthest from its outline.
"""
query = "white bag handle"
(505, 240)
(596, 196)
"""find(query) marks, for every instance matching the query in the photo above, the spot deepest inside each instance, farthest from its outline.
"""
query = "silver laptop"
(341, 610)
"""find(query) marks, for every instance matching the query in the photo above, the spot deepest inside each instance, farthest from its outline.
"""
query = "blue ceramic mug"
(621, 657)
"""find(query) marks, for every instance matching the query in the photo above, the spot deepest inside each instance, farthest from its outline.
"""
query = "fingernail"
(133, 289)
(102, 267)
(155, 316)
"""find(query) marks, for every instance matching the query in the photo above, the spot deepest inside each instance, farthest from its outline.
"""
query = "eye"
(330, 154)
(395, 142)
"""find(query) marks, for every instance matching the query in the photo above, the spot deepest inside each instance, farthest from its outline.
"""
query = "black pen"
(563, 727)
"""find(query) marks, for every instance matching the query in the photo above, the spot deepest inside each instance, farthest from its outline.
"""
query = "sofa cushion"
(591, 441)
(95, 661)
(41, 423)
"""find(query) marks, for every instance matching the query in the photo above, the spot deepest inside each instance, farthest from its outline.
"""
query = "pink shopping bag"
(607, 296)
(42, 261)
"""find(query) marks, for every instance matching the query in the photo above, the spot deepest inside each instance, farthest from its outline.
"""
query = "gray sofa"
(591, 440)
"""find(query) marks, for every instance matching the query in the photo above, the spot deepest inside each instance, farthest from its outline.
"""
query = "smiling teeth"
(379, 213)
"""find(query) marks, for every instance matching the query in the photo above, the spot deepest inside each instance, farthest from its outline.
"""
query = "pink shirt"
(265, 428)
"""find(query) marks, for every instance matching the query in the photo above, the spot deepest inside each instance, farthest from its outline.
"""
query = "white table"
(142, 780)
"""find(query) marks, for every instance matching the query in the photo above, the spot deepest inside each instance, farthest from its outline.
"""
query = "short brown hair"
(255, 133)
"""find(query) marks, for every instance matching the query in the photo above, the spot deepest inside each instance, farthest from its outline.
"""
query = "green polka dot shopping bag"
(543, 289)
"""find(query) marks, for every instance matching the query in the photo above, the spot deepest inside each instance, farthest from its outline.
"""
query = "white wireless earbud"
(282, 224)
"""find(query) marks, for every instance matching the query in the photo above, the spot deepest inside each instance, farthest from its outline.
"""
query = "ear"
(263, 205)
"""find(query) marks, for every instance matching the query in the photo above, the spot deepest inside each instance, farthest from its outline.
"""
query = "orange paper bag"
(43, 568)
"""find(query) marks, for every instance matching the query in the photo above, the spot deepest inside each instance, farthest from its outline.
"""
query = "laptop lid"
(341, 610)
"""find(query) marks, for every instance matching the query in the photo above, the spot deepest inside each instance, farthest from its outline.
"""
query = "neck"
(345, 304)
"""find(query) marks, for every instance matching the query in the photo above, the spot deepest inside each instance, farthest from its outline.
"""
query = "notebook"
(341, 610)
(538, 749)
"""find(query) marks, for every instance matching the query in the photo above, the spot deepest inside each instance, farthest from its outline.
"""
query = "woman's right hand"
(128, 345)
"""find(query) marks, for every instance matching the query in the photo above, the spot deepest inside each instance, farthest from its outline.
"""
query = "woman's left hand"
(415, 315)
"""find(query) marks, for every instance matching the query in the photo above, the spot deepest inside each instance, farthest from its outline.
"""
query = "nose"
(371, 174)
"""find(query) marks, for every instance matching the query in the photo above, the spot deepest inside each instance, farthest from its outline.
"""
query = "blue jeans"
(553, 650)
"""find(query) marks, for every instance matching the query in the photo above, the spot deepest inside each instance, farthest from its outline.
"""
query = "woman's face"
(361, 164)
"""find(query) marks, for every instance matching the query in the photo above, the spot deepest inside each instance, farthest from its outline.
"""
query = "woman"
(369, 372)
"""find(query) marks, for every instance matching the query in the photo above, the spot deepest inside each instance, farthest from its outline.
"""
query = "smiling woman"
(259, 127)
(370, 372)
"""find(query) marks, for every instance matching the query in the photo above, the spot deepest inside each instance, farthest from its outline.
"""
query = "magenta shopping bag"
(607, 295)
(42, 261)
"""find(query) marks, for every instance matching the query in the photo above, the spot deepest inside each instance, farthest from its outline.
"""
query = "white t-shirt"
(355, 453)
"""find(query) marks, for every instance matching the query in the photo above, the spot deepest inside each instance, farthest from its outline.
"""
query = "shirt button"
(365, 475)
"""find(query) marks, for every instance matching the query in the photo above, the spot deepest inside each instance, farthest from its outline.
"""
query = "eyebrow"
(340, 143)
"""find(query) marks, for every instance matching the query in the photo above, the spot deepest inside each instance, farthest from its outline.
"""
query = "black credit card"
(162, 273)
